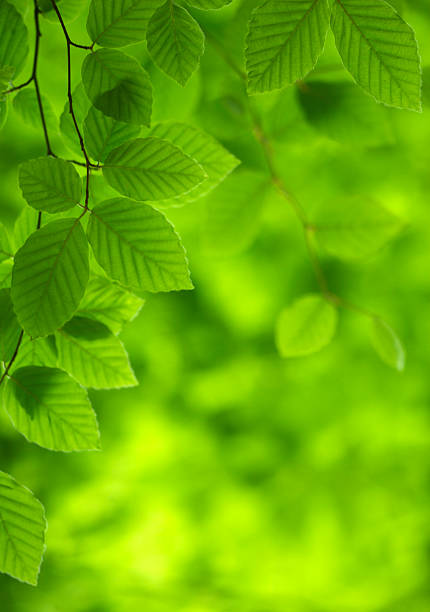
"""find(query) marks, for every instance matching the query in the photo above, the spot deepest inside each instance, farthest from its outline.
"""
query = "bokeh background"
(231, 480)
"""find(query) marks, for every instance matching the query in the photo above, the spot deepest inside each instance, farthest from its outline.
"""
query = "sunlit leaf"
(379, 50)
(102, 134)
(26, 105)
(49, 276)
(119, 22)
(306, 327)
(37, 352)
(215, 160)
(284, 41)
(49, 408)
(209, 4)
(175, 41)
(50, 184)
(69, 9)
(357, 227)
(118, 86)
(89, 352)
(151, 169)
(387, 344)
(136, 245)
(6, 248)
(22, 531)
(81, 106)
(108, 303)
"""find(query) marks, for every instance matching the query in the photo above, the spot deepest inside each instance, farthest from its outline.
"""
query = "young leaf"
(233, 213)
(50, 184)
(22, 531)
(118, 86)
(210, 154)
(102, 134)
(37, 352)
(387, 344)
(118, 23)
(151, 169)
(9, 327)
(6, 249)
(108, 303)
(306, 327)
(284, 41)
(137, 246)
(379, 50)
(13, 38)
(49, 408)
(175, 41)
(356, 228)
(49, 276)
(93, 356)
(81, 106)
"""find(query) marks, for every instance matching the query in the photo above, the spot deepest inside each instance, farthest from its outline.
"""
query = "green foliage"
(49, 408)
(49, 276)
(48, 184)
(175, 41)
(284, 42)
(137, 246)
(306, 327)
(63, 305)
(22, 531)
(380, 51)
(118, 86)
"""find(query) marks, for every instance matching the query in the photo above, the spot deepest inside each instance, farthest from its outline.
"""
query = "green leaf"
(6, 248)
(6, 74)
(209, 4)
(345, 114)
(151, 169)
(6, 274)
(49, 276)
(81, 106)
(102, 134)
(284, 41)
(233, 213)
(216, 161)
(37, 352)
(50, 184)
(13, 38)
(3, 113)
(119, 22)
(26, 106)
(387, 344)
(175, 41)
(108, 303)
(22, 531)
(356, 227)
(380, 51)
(49, 408)
(137, 246)
(93, 356)
(9, 327)
(25, 225)
(306, 327)
(118, 86)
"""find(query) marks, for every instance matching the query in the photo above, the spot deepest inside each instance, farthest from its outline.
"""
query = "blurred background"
(231, 480)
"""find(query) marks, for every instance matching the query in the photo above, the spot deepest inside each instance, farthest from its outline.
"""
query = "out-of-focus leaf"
(387, 344)
(49, 408)
(22, 531)
(26, 105)
(306, 327)
(13, 38)
(357, 227)
(9, 326)
(81, 106)
(69, 9)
